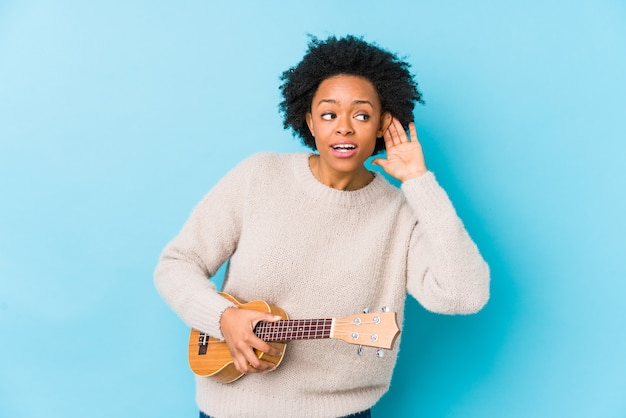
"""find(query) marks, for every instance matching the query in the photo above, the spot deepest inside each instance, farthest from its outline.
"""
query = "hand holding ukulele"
(238, 330)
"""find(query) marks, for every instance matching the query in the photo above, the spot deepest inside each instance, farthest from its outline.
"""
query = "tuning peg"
(360, 350)
(366, 310)
(385, 309)
(380, 353)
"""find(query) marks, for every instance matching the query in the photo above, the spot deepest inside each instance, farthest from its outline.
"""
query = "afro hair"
(350, 55)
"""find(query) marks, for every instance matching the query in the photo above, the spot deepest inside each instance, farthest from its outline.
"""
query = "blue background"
(117, 117)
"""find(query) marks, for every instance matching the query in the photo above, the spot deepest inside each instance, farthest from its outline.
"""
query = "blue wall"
(117, 117)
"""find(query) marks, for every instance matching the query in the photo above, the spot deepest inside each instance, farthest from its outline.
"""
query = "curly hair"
(350, 55)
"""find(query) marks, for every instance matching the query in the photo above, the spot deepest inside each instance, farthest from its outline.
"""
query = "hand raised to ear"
(405, 159)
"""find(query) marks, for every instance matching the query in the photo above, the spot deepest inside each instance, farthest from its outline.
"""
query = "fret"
(289, 330)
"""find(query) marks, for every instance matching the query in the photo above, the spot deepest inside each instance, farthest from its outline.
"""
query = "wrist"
(414, 174)
(224, 315)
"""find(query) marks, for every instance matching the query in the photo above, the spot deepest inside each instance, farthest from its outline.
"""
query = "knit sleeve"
(207, 239)
(445, 271)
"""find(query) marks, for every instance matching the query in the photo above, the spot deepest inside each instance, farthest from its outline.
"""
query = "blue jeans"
(363, 414)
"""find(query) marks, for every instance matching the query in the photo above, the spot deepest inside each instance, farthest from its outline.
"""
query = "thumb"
(265, 317)
(381, 162)
(273, 318)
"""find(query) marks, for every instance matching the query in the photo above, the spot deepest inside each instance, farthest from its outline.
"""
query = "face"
(345, 120)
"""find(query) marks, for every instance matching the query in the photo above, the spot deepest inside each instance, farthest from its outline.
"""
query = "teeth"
(344, 146)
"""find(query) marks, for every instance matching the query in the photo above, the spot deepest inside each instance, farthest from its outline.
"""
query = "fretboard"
(294, 329)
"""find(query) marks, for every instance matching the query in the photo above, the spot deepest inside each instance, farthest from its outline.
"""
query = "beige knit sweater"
(317, 252)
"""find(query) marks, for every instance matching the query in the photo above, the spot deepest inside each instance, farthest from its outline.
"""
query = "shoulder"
(264, 168)
(270, 163)
(388, 189)
(270, 159)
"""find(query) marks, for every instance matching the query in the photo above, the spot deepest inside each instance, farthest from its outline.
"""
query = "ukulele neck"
(294, 329)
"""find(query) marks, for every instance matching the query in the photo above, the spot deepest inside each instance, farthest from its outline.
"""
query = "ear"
(309, 122)
(385, 121)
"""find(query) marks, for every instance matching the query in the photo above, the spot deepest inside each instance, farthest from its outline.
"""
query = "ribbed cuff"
(207, 311)
(427, 198)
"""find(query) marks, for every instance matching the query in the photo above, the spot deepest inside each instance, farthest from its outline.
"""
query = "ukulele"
(210, 357)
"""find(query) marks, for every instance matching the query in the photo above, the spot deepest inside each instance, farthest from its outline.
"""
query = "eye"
(328, 116)
(363, 117)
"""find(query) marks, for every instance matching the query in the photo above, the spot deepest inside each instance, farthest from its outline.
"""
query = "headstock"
(378, 329)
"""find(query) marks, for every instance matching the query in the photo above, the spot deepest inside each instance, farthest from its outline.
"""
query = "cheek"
(318, 142)
(369, 148)
(376, 130)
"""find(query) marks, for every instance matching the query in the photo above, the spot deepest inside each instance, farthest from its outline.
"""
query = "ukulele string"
(294, 329)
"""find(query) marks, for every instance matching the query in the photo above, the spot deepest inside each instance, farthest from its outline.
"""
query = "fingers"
(405, 157)
(246, 359)
(238, 330)
(396, 134)
(393, 135)
(413, 132)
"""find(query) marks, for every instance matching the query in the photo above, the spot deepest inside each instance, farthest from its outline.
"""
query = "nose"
(344, 127)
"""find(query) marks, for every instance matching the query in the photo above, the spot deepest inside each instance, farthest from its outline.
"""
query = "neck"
(347, 181)
(298, 329)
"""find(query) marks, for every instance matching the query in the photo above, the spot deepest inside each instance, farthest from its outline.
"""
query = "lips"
(344, 149)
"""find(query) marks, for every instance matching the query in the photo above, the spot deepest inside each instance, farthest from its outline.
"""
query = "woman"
(321, 236)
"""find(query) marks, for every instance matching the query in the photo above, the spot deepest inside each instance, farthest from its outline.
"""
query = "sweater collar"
(321, 192)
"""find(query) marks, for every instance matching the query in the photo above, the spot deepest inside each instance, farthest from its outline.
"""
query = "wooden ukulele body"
(209, 356)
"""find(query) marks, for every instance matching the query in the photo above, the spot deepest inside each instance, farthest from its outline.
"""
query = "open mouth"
(344, 147)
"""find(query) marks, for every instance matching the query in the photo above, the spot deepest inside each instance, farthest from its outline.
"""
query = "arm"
(208, 238)
(445, 270)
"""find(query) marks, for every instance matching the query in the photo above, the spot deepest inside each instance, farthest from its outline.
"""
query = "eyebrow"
(354, 102)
